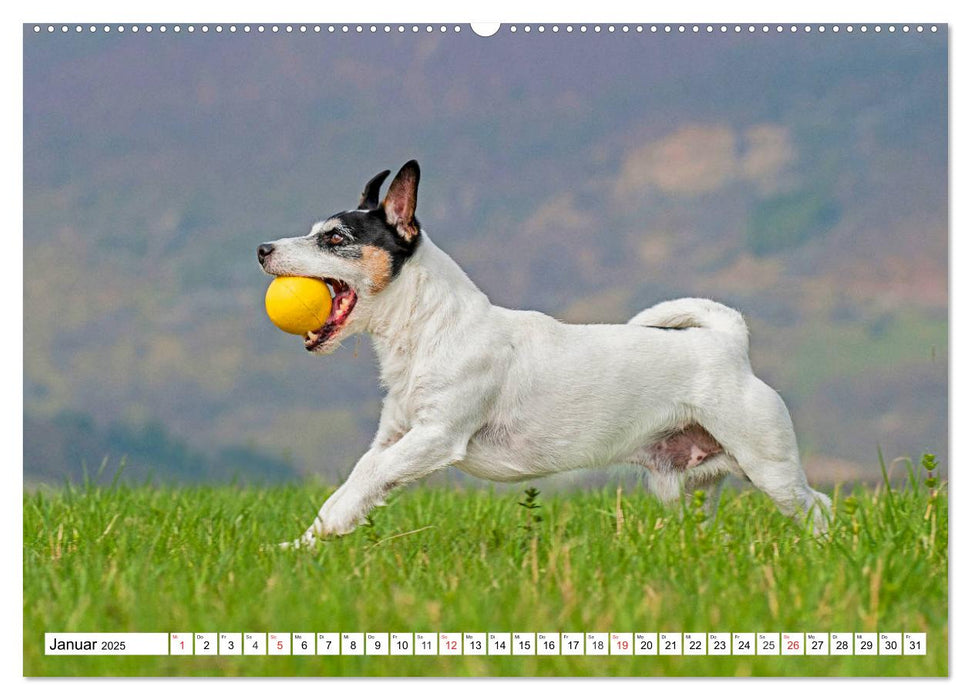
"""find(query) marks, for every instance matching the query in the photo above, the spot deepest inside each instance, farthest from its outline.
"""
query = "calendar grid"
(487, 644)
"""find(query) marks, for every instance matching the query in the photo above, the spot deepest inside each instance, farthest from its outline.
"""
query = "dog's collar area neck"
(425, 298)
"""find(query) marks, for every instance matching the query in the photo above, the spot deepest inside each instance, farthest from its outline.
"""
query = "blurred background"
(799, 178)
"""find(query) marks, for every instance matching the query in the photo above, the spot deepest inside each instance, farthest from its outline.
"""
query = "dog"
(509, 395)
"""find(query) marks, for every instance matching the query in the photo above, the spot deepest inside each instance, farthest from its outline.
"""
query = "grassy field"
(445, 559)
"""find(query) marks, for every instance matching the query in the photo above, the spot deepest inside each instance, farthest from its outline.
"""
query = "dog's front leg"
(421, 451)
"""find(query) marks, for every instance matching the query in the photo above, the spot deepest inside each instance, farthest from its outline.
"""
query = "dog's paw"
(335, 522)
(821, 514)
(318, 532)
(306, 541)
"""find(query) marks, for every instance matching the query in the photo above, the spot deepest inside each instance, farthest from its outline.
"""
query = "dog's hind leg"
(757, 432)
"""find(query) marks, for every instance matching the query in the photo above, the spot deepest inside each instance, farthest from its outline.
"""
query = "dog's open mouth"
(341, 306)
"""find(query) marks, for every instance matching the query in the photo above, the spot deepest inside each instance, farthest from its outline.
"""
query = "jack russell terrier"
(508, 395)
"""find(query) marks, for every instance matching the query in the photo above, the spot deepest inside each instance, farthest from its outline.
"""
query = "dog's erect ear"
(402, 198)
(372, 190)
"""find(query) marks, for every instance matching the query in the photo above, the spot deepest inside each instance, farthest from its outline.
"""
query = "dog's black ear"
(372, 190)
(402, 198)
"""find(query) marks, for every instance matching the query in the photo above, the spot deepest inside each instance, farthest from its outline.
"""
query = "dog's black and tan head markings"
(372, 191)
(358, 252)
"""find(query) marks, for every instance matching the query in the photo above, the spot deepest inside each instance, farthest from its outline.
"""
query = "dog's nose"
(263, 252)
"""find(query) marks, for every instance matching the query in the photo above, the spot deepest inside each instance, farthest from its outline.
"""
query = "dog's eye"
(335, 238)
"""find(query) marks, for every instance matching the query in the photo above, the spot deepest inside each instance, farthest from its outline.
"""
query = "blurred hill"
(801, 179)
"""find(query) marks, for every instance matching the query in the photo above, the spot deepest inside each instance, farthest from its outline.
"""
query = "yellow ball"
(298, 304)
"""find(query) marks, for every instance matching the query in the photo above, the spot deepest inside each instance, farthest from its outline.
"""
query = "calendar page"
(519, 349)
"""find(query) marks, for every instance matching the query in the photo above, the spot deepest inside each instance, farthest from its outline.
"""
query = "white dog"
(509, 395)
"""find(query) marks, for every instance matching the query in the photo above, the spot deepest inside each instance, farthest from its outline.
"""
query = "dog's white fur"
(509, 395)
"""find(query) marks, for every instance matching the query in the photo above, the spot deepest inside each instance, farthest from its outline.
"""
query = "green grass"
(445, 559)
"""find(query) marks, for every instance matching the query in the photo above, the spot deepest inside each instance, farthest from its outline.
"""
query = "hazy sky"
(801, 178)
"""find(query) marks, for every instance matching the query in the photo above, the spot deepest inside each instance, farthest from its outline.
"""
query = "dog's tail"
(680, 314)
